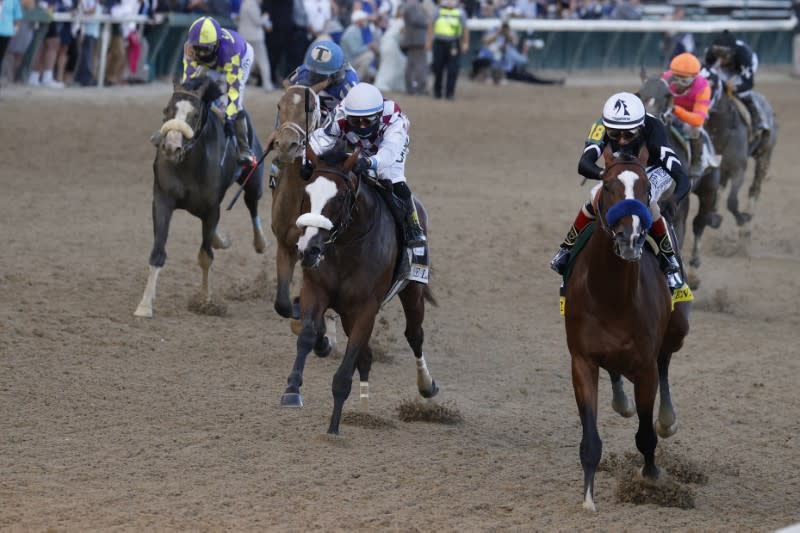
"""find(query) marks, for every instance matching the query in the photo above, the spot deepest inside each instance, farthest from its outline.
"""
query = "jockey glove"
(362, 165)
(230, 130)
(669, 208)
(306, 170)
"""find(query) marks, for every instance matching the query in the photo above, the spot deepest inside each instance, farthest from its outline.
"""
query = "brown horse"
(288, 140)
(349, 250)
(618, 317)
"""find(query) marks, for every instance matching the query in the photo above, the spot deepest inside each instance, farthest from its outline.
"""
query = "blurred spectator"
(592, 10)
(300, 39)
(44, 59)
(319, 13)
(357, 50)
(280, 12)
(448, 38)
(677, 43)
(252, 25)
(627, 10)
(415, 20)
(66, 45)
(90, 31)
(796, 41)
(390, 76)
(10, 15)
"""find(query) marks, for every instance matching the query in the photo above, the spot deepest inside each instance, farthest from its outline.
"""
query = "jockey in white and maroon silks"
(380, 129)
(627, 128)
(225, 56)
(692, 96)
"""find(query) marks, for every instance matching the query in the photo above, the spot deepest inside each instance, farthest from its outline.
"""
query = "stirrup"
(561, 260)
(415, 239)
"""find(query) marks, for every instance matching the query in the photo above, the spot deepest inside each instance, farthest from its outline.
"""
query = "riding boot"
(667, 259)
(412, 229)
(696, 165)
(246, 157)
(561, 259)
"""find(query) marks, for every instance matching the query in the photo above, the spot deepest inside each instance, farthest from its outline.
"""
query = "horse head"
(622, 202)
(299, 113)
(332, 191)
(656, 96)
(185, 115)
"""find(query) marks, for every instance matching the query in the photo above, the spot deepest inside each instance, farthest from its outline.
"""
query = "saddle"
(412, 264)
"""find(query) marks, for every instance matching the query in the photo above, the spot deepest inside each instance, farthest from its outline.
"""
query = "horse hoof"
(284, 310)
(589, 505)
(627, 410)
(291, 399)
(296, 326)
(666, 431)
(695, 262)
(743, 218)
(433, 391)
(323, 348)
(715, 220)
(144, 312)
(296, 308)
(260, 245)
(220, 243)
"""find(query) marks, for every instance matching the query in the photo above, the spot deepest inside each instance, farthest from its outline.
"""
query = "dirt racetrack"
(112, 422)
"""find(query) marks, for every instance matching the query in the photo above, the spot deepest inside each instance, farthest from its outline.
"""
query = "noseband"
(600, 213)
(197, 101)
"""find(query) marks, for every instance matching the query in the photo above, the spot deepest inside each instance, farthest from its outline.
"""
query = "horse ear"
(317, 87)
(643, 73)
(211, 91)
(644, 155)
(348, 164)
(608, 155)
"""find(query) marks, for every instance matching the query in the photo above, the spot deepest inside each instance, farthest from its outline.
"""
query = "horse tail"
(427, 293)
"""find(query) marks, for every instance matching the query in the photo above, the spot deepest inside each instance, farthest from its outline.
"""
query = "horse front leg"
(645, 387)
(285, 260)
(741, 217)
(312, 304)
(206, 256)
(667, 423)
(584, 382)
(162, 215)
(706, 213)
(252, 194)
(619, 400)
(358, 340)
(762, 166)
(413, 300)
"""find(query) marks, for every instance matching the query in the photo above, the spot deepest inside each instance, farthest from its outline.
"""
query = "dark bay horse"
(618, 316)
(658, 101)
(730, 133)
(349, 248)
(194, 166)
(288, 141)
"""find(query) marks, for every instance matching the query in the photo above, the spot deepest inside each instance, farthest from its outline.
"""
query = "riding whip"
(308, 111)
(244, 182)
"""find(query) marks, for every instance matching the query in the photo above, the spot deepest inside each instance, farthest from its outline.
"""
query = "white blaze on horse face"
(320, 192)
(628, 178)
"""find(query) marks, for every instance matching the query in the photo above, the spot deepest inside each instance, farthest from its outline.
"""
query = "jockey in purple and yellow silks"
(692, 97)
(223, 55)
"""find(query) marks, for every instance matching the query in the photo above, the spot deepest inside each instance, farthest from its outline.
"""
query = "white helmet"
(623, 111)
(363, 100)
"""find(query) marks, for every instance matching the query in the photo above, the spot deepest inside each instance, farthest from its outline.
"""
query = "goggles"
(204, 53)
(720, 51)
(627, 135)
(363, 122)
(681, 81)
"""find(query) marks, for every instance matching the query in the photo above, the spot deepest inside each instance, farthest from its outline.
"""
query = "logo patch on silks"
(684, 294)
(420, 265)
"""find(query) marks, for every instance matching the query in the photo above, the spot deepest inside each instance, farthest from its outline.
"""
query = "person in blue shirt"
(324, 60)
(10, 15)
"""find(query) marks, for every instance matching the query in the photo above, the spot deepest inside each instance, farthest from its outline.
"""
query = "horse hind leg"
(667, 422)
(762, 166)
(413, 300)
(620, 401)
(285, 260)
(252, 194)
(313, 308)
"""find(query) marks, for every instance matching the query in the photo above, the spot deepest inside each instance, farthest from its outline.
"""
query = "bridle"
(296, 128)
(197, 101)
(348, 209)
(599, 198)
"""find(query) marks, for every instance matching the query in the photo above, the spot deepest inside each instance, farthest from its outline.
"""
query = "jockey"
(325, 60)
(627, 128)
(737, 65)
(380, 129)
(692, 97)
(225, 56)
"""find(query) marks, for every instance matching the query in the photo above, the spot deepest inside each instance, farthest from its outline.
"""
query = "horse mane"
(335, 156)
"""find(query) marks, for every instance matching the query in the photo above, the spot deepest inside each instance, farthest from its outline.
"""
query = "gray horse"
(658, 101)
(729, 130)
(195, 165)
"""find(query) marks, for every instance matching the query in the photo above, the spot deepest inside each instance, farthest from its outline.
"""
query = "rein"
(349, 204)
(196, 100)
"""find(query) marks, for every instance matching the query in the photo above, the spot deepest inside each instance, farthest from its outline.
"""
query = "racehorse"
(618, 316)
(349, 249)
(195, 164)
(729, 131)
(658, 101)
(288, 140)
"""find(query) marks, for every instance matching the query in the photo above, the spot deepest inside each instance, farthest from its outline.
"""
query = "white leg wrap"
(145, 308)
(424, 381)
(363, 397)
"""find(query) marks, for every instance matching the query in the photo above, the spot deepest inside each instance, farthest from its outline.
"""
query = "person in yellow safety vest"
(448, 38)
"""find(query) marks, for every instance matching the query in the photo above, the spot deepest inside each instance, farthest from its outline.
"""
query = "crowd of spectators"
(384, 40)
